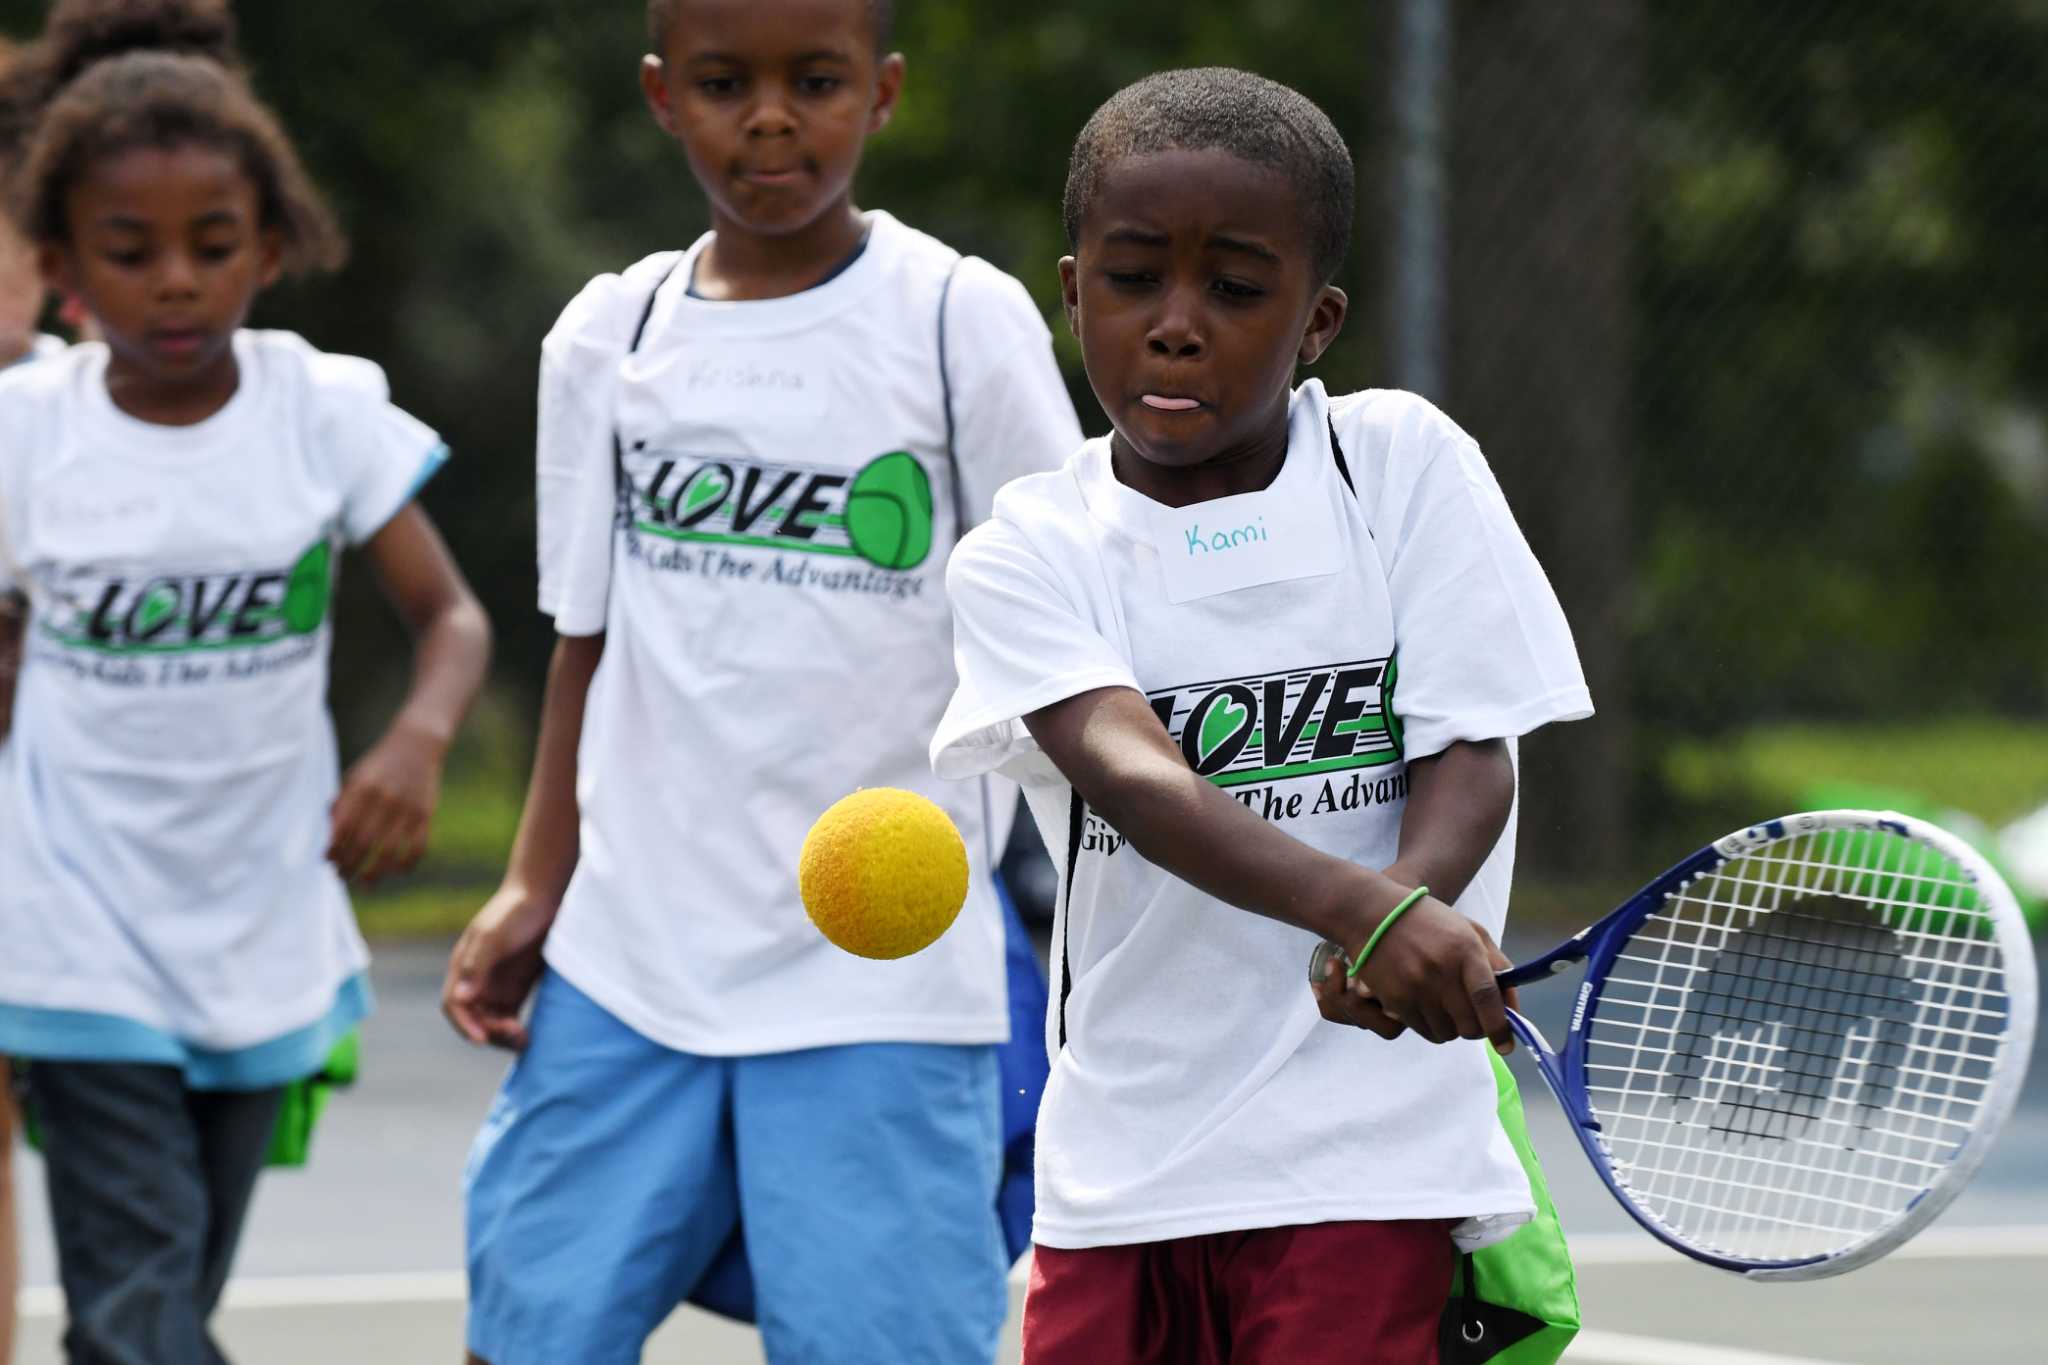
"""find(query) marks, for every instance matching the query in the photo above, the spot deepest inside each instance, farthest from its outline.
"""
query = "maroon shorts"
(1319, 1294)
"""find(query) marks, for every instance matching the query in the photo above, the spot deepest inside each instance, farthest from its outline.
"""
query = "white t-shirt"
(1301, 643)
(164, 802)
(40, 347)
(777, 631)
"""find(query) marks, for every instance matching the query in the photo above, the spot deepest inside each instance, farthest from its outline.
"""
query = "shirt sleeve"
(579, 363)
(1011, 411)
(1020, 642)
(574, 493)
(381, 454)
(1484, 651)
(20, 418)
(576, 569)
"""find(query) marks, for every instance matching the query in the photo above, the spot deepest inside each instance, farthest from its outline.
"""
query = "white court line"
(300, 1291)
(1599, 1249)
(1620, 1348)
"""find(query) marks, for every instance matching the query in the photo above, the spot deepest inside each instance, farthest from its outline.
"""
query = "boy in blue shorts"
(754, 457)
(1260, 659)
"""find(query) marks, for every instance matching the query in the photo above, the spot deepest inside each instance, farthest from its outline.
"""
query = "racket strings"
(1787, 1053)
(1813, 975)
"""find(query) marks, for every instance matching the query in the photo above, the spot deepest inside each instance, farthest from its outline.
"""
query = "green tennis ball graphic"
(889, 511)
(307, 591)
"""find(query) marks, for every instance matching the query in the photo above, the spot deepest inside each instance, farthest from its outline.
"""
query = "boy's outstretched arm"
(498, 957)
(1433, 971)
(380, 819)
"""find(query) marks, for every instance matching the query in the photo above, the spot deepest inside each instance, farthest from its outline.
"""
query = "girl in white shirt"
(21, 305)
(179, 941)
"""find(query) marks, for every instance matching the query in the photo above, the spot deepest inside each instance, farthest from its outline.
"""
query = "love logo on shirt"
(881, 513)
(1265, 727)
(181, 613)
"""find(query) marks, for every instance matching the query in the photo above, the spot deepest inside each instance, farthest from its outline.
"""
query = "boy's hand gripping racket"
(1793, 1049)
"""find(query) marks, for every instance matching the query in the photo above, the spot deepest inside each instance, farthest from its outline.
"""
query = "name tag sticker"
(1230, 543)
(744, 385)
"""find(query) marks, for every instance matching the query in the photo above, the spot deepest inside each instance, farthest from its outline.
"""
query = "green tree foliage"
(1838, 463)
(1844, 371)
(488, 159)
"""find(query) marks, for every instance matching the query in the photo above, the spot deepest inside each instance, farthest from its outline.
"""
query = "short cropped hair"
(661, 18)
(1250, 117)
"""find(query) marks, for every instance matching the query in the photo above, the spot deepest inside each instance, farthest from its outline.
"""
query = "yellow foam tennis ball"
(883, 873)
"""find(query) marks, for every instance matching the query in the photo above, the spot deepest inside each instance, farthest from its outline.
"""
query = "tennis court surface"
(358, 1258)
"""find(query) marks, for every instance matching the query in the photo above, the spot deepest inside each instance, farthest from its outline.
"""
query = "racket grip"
(1326, 952)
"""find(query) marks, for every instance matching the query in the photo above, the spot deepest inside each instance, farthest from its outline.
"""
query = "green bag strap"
(298, 1114)
(298, 1110)
(1515, 1302)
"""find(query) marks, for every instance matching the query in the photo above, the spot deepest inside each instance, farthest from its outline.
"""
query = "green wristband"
(1363, 953)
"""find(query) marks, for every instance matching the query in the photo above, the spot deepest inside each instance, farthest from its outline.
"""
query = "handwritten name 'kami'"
(1224, 540)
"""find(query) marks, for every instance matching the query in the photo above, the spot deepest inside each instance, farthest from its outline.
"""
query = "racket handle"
(1327, 952)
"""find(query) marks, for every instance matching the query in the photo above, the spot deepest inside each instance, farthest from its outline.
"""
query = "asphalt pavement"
(357, 1259)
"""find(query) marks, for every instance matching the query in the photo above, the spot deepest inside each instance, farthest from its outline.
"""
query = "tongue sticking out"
(1153, 400)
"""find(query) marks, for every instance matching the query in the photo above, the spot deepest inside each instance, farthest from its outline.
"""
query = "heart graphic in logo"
(1224, 718)
(156, 609)
(707, 487)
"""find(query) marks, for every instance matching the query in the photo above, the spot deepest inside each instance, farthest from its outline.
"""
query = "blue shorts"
(611, 1172)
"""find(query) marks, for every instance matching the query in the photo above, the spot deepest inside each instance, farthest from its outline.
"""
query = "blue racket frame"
(1600, 944)
(1597, 946)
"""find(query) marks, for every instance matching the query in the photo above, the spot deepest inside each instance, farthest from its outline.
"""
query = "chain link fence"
(1748, 304)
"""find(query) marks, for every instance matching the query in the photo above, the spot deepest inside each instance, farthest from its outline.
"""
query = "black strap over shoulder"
(622, 487)
(1337, 449)
(647, 309)
(1076, 813)
(946, 397)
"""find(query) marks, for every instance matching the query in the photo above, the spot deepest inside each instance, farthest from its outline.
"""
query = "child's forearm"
(1112, 748)
(452, 636)
(1458, 803)
(1435, 975)
(450, 659)
(545, 849)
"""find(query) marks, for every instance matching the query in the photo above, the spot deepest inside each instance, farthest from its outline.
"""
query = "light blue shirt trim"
(429, 467)
(436, 457)
(81, 1036)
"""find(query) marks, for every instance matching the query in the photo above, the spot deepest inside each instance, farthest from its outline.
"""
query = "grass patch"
(1996, 770)
(472, 838)
(416, 911)
(1560, 907)
(473, 829)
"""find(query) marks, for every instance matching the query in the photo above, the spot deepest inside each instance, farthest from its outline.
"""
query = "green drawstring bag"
(1517, 1301)
(304, 1101)
(297, 1115)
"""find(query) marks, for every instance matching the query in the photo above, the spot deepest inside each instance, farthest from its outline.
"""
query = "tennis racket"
(1793, 1049)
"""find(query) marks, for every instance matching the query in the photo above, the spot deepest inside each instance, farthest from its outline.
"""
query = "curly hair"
(1250, 117)
(112, 76)
(661, 19)
(17, 104)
